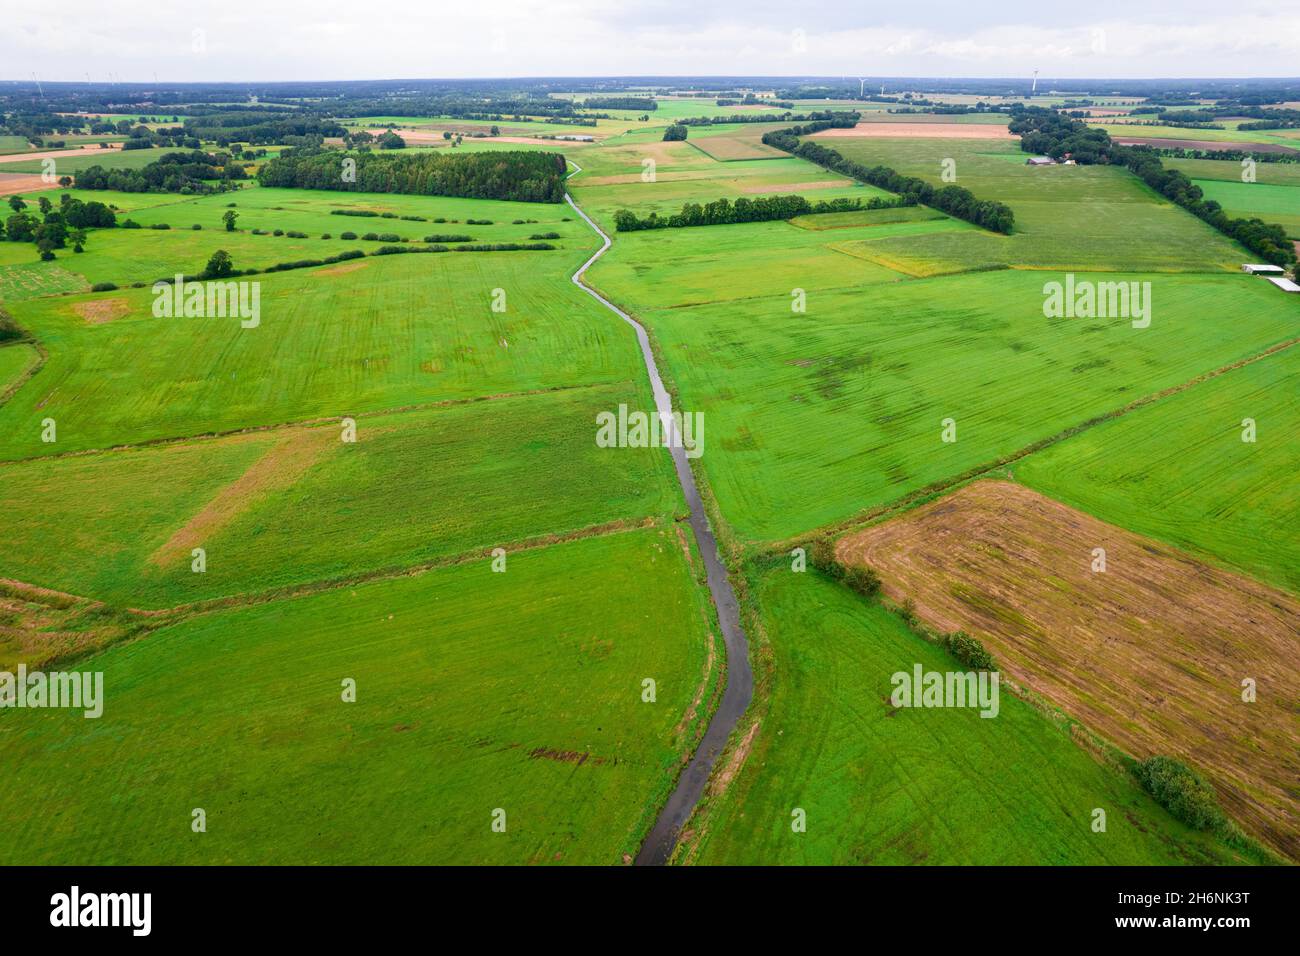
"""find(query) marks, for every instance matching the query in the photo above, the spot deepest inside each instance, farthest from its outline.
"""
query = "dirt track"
(1151, 653)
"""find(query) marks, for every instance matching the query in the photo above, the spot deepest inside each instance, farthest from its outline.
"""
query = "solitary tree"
(229, 219)
(219, 266)
(16, 203)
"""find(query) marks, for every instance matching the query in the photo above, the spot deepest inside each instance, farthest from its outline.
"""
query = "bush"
(371, 237)
(325, 235)
(196, 227)
(278, 232)
(160, 225)
(478, 222)
(545, 235)
(968, 650)
(294, 234)
(103, 287)
(675, 132)
(259, 232)
(448, 238)
(1182, 791)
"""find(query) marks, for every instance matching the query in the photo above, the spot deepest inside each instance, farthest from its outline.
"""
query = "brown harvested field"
(741, 144)
(920, 130)
(22, 183)
(1151, 653)
(434, 138)
(58, 153)
(1206, 144)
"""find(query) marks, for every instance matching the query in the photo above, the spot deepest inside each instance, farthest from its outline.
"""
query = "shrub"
(325, 235)
(347, 235)
(278, 232)
(196, 227)
(968, 650)
(160, 225)
(259, 232)
(478, 222)
(1182, 791)
(674, 133)
(437, 237)
(103, 287)
(371, 237)
(545, 235)
(390, 237)
(294, 234)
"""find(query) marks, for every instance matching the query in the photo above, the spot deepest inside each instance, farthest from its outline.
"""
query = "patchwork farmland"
(360, 549)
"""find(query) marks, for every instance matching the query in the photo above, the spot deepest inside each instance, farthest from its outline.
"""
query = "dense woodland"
(195, 172)
(516, 175)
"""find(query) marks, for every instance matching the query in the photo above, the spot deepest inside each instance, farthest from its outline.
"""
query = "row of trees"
(954, 200)
(764, 209)
(1045, 131)
(515, 175)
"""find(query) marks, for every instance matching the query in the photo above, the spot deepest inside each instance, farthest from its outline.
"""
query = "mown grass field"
(912, 786)
(15, 360)
(474, 691)
(1179, 471)
(290, 506)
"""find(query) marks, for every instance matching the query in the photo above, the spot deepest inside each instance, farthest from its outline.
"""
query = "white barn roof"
(1259, 269)
(1286, 285)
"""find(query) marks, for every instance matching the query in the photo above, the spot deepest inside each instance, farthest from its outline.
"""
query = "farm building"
(1040, 161)
(1286, 285)
(1258, 270)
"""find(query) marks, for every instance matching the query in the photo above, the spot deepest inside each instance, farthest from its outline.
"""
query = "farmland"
(1149, 651)
(882, 786)
(474, 691)
(392, 476)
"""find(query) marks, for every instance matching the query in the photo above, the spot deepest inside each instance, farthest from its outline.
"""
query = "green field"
(123, 256)
(77, 160)
(1179, 470)
(814, 417)
(474, 691)
(913, 786)
(290, 506)
(1077, 217)
(15, 360)
(401, 330)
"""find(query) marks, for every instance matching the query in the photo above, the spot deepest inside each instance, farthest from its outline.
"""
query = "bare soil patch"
(282, 465)
(920, 131)
(1151, 653)
(23, 183)
(58, 153)
(342, 268)
(99, 311)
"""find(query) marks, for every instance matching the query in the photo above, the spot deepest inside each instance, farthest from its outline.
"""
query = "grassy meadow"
(474, 691)
(911, 786)
(1179, 471)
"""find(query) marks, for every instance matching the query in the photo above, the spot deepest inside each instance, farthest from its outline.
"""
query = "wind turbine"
(862, 87)
(1034, 88)
(38, 85)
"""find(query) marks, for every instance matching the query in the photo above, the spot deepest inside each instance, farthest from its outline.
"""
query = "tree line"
(194, 172)
(722, 212)
(515, 175)
(1045, 131)
(956, 201)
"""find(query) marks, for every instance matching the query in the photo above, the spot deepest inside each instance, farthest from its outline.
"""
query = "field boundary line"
(920, 495)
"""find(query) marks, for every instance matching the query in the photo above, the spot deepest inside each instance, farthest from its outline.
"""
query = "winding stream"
(659, 843)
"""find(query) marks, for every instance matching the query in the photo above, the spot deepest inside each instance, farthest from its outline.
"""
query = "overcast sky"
(181, 40)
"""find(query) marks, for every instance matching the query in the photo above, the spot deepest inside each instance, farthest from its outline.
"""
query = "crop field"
(816, 416)
(1178, 470)
(282, 507)
(1115, 223)
(1150, 652)
(393, 474)
(914, 786)
(475, 692)
(400, 330)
